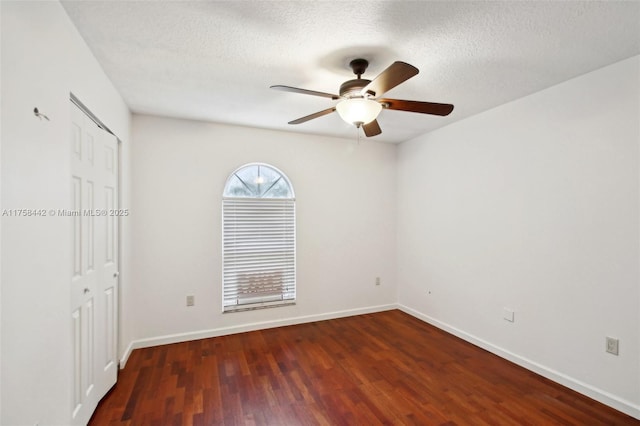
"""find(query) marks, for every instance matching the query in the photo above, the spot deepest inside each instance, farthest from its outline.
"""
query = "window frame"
(258, 243)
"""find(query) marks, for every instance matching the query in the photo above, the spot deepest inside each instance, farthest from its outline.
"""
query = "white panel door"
(94, 272)
(106, 304)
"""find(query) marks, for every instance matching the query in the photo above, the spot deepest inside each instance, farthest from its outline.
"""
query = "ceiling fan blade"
(396, 73)
(304, 91)
(371, 129)
(312, 116)
(416, 106)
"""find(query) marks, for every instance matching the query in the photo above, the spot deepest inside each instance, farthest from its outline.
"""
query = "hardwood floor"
(385, 368)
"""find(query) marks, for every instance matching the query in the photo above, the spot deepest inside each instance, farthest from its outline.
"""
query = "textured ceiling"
(215, 61)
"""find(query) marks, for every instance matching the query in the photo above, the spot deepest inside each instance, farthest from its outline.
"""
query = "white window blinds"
(258, 251)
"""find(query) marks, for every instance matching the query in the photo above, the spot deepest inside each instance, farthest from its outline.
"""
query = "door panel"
(108, 285)
(76, 204)
(76, 324)
(94, 269)
(110, 332)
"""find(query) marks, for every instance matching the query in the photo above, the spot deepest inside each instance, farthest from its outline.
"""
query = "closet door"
(94, 266)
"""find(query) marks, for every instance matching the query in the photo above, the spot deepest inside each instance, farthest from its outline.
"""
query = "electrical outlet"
(612, 345)
(190, 300)
(377, 280)
(508, 314)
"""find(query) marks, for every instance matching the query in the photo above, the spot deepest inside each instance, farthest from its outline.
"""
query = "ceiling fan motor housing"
(352, 88)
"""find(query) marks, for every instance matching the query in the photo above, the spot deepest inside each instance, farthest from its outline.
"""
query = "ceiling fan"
(361, 100)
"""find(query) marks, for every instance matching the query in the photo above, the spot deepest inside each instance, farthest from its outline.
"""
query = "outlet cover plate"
(612, 345)
(508, 314)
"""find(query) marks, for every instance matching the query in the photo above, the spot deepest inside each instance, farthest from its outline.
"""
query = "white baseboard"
(125, 357)
(223, 331)
(599, 395)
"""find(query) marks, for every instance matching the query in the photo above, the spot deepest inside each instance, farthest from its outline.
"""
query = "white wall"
(346, 234)
(533, 206)
(43, 60)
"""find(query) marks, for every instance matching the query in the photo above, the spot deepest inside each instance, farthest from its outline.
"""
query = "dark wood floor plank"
(386, 368)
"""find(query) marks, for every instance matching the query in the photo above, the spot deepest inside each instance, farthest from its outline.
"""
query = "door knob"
(116, 274)
(86, 290)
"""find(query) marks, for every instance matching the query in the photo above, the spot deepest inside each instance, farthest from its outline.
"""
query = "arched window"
(258, 239)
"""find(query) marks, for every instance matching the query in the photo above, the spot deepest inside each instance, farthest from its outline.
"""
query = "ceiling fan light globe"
(359, 110)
